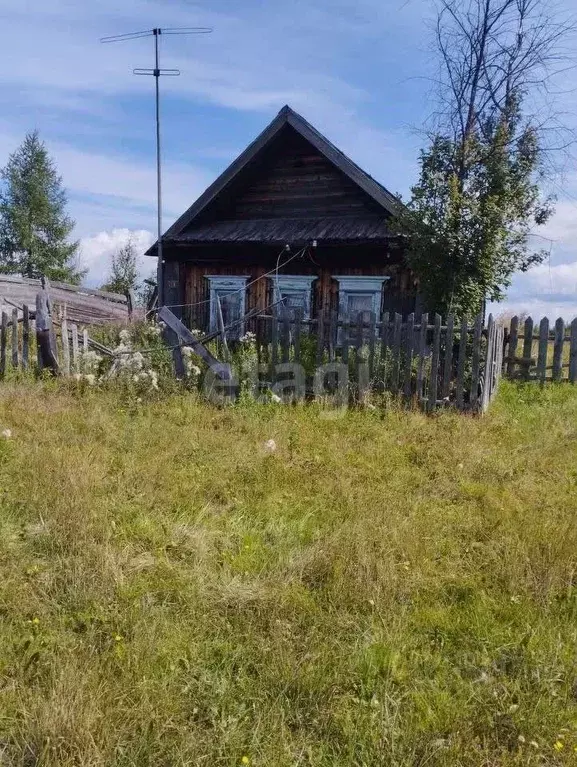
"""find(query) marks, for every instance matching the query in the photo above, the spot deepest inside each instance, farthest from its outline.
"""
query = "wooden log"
(45, 334)
(65, 346)
(513, 341)
(558, 349)
(223, 372)
(460, 389)
(84, 341)
(409, 343)
(528, 346)
(434, 380)
(14, 338)
(75, 350)
(573, 353)
(274, 344)
(3, 343)
(543, 349)
(476, 364)
(396, 353)
(422, 352)
(25, 336)
(448, 361)
(333, 336)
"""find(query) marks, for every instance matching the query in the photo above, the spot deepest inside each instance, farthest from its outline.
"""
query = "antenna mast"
(157, 72)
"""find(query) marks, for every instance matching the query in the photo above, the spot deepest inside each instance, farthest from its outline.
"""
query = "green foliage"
(471, 212)
(123, 272)
(34, 226)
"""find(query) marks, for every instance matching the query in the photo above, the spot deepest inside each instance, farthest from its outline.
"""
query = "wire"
(239, 290)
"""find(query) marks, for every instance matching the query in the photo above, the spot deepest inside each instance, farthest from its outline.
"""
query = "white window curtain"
(231, 291)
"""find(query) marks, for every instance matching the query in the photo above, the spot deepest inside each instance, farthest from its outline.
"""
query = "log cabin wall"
(193, 288)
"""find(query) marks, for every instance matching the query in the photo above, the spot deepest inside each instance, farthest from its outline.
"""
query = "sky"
(359, 70)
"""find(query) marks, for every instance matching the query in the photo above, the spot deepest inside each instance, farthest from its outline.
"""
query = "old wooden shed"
(292, 220)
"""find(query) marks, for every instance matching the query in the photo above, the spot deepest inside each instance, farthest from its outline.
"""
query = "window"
(231, 291)
(359, 294)
(295, 292)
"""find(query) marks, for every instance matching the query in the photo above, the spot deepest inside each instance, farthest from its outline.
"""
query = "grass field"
(382, 589)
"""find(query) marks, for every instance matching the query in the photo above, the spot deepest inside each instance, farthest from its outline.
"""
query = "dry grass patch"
(384, 588)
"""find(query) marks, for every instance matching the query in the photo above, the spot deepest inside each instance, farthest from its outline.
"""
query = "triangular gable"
(381, 196)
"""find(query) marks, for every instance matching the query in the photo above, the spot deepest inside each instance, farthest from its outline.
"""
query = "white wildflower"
(124, 336)
(276, 399)
(270, 446)
(6, 433)
(90, 378)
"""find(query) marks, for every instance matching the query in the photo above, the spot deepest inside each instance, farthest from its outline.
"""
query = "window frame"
(295, 284)
(356, 284)
(232, 284)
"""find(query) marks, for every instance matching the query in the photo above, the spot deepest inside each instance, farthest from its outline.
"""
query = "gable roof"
(287, 116)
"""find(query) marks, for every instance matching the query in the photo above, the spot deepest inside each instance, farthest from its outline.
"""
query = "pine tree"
(123, 272)
(34, 226)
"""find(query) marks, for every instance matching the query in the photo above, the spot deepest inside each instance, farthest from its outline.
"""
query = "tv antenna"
(157, 73)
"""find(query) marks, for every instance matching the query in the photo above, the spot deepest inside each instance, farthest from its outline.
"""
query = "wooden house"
(292, 220)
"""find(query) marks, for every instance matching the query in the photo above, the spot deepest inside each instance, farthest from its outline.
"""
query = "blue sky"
(358, 69)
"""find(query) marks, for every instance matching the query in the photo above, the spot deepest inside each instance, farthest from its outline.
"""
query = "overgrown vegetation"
(182, 585)
(479, 195)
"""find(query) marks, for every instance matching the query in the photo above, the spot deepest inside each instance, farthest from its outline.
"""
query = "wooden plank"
(448, 361)
(476, 364)
(3, 343)
(543, 348)
(489, 372)
(333, 336)
(372, 340)
(460, 390)
(25, 336)
(297, 333)
(512, 350)
(396, 353)
(558, 349)
(65, 346)
(285, 337)
(274, 344)
(84, 341)
(75, 351)
(320, 339)
(573, 353)
(409, 343)
(384, 349)
(527, 347)
(14, 338)
(422, 352)
(345, 342)
(434, 381)
(223, 372)
(222, 331)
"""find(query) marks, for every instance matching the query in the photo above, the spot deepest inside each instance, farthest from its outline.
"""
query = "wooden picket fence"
(421, 360)
(543, 351)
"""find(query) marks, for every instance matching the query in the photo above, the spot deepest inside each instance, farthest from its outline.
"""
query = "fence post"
(573, 353)
(527, 348)
(44, 333)
(3, 342)
(512, 351)
(14, 338)
(542, 353)
(460, 399)
(25, 335)
(65, 344)
(409, 342)
(489, 376)
(75, 355)
(396, 359)
(422, 351)
(558, 349)
(448, 363)
(477, 335)
(433, 384)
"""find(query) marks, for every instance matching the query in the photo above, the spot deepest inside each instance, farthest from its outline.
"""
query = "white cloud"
(96, 253)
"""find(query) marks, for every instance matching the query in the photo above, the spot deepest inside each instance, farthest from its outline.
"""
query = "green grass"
(384, 589)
